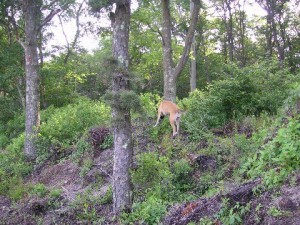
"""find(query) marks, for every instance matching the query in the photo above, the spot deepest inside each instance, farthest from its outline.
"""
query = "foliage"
(252, 91)
(124, 99)
(182, 175)
(275, 212)
(39, 189)
(232, 215)
(55, 193)
(279, 155)
(65, 125)
(146, 212)
(149, 102)
(153, 171)
(108, 142)
(86, 166)
(13, 169)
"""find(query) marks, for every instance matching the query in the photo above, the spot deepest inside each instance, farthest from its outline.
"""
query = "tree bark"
(193, 66)
(170, 72)
(229, 29)
(31, 10)
(32, 14)
(123, 147)
(169, 80)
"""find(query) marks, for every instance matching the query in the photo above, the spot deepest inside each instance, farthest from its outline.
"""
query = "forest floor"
(74, 205)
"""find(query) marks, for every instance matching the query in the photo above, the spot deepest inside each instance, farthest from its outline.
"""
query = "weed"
(275, 212)
(232, 215)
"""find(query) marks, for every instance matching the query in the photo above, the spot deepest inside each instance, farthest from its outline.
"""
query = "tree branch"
(48, 18)
(189, 39)
(155, 30)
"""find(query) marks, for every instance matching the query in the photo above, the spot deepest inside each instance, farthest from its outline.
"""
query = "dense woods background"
(235, 72)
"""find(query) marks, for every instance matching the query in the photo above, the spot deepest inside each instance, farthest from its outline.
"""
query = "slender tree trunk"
(170, 72)
(280, 49)
(31, 10)
(269, 46)
(274, 10)
(193, 66)
(193, 69)
(20, 91)
(123, 147)
(229, 29)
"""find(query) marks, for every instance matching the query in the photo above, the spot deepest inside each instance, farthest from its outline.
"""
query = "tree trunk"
(31, 10)
(193, 66)
(171, 73)
(169, 80)
(123, 147)
(229, 28)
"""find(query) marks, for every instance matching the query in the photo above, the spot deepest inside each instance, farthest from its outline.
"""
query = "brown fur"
(171, 109)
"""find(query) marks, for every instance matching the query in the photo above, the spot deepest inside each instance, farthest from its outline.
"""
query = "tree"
(193, 66)
(170, 72)
(276, 29)
(32, 15)
(31, 10)
(123, 146)
(123, 149)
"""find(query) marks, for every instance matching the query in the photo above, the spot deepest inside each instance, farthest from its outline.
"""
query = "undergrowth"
(254, 145)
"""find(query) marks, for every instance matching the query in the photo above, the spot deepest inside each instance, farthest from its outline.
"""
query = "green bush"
(232, 215)
(60, 127)
(279, 157)
(153, 174)
(149, 103)
(13, 169)
(252, 91)
(64, 126)
(279, 152)
(68, 123)
(39, 189)
(149, 212)
(182, 175)
(55, 193)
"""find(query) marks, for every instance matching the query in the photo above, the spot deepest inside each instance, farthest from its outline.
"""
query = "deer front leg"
(158, 118)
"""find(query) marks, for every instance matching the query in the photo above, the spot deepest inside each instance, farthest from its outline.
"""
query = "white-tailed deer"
(171, 109)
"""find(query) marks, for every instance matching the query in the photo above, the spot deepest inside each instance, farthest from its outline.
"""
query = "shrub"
(13, 169)
(152, 174)
(149, 103)
(182, 171)
(39, 189)
(252, 91)
(279, 150)
(149, 212)
(279, 156)
(65, 125)
(232, 215)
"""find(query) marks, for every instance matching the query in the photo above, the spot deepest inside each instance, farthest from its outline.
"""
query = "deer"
(171, 109)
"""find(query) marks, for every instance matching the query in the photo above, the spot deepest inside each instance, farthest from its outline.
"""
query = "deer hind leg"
(177, 121)
(173, 124)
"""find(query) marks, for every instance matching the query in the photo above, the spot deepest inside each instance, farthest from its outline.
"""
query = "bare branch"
(48, 18)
